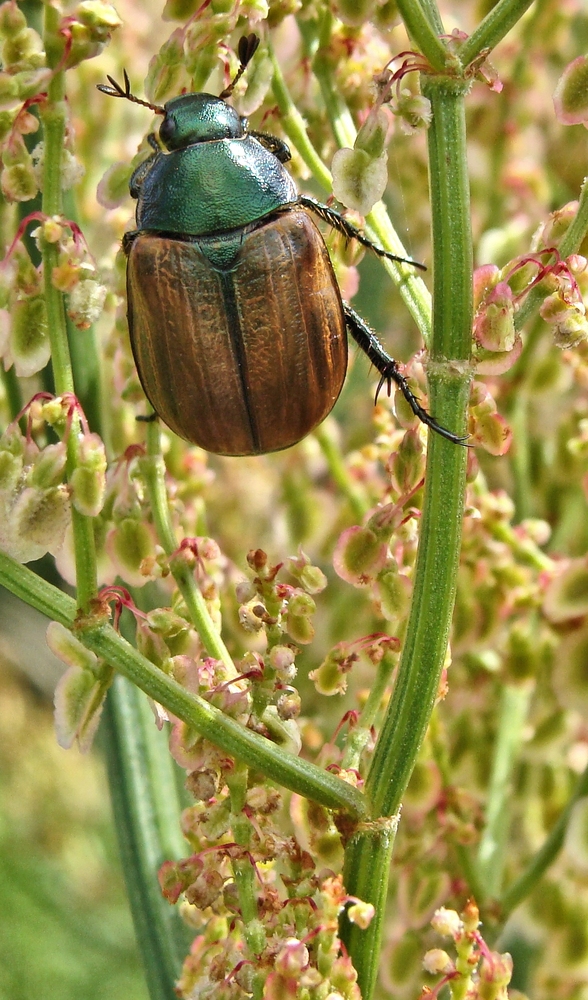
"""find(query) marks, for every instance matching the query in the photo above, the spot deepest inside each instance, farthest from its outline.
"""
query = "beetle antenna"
(246, 49)
(115, 90)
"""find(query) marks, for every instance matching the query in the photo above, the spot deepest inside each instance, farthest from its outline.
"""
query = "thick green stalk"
(434, 589)
(292, 772)
(425, 645)
(431, 11)
(367, 865)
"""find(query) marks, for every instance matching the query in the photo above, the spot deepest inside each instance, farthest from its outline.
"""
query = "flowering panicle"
(127, 507)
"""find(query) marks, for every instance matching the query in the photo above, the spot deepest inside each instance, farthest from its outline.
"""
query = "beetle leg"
(365, 337)
(140, 172)
(276, 146)
(128, 240)
(342, 225)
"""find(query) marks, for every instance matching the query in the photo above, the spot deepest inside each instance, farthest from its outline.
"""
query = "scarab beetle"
(237, 324)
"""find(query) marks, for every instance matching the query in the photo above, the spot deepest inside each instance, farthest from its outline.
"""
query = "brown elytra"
(241, 359)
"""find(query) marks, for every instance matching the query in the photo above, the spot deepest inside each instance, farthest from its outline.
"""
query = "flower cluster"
(35, 494)
(24, 80)
(476, 971)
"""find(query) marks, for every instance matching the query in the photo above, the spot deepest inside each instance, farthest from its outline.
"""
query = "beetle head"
(195, 117)
(198, 118)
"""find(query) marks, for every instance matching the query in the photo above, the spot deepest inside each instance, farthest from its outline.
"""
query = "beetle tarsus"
(365, 337)
(342, 225)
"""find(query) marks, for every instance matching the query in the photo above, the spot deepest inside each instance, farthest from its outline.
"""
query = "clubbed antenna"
(115, 90)
(246, 49)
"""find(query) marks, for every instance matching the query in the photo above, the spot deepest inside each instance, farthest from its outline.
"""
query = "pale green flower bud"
(29, 340)
(359, 180)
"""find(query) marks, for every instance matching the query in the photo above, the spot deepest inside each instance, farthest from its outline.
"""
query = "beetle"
(236, 320)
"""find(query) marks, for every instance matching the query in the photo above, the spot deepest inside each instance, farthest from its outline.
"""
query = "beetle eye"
(167, 130)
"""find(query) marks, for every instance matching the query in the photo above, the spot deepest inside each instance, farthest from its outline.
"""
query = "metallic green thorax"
(214, 176)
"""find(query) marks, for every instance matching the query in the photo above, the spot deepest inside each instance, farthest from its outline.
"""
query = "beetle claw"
(389, 373)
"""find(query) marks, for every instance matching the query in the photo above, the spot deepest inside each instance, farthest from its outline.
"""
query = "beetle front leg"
(342, 225)
(276, 146)
(140, 172)
(365, 337)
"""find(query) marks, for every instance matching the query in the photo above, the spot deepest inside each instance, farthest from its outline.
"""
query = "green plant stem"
(243, 868)
(256, 751)
(53, 116)
(13, 392)
(523, 493)
(153, 471)
(545, 856)
(570, 243)
(425, 645)
(295, 128)
(366, 869)
(423, 26)
(146, 811)
(360, 734)
(431, 11)
(340, 474)
(494, 27)
(514, 711)
(378, 226)
(439, 545)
